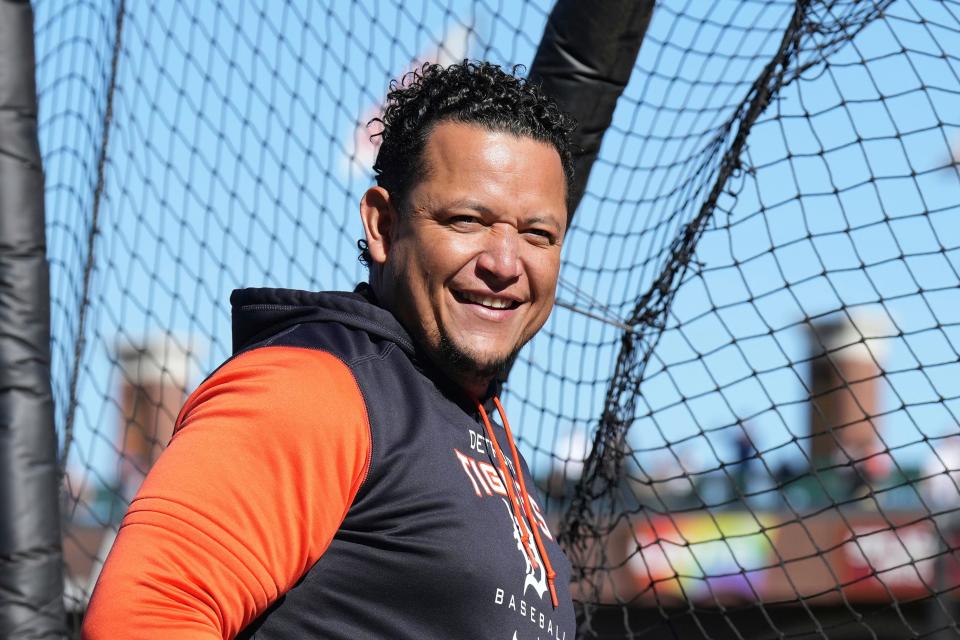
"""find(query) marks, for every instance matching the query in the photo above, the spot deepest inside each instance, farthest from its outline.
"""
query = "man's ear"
(379, 217)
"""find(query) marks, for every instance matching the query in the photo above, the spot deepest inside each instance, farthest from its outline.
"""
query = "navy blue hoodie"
(428, 531)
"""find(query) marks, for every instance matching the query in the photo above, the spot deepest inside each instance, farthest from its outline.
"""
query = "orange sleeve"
(267, 458)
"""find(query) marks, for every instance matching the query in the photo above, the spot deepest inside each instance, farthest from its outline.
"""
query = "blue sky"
(230, 165)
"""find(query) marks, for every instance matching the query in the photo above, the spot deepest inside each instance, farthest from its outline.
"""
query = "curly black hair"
(471, 92)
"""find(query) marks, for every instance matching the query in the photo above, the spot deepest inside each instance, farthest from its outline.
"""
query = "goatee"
(459, 362)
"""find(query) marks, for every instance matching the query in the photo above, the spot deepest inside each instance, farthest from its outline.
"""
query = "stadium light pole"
(31, 559)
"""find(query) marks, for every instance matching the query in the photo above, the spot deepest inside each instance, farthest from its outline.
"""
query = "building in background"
(154, 378)
(845, 385)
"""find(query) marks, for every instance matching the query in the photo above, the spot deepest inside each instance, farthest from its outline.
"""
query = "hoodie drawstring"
(525, 499)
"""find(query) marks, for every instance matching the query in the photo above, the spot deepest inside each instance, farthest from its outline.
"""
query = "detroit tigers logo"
(535, 577)
(486, 481)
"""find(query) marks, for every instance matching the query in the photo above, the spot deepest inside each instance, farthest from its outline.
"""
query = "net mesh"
(743, 410)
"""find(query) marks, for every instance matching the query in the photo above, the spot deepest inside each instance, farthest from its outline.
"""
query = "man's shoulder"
(290, 345)
(278, 391)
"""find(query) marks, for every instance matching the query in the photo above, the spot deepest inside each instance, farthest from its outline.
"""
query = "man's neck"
(475, 387)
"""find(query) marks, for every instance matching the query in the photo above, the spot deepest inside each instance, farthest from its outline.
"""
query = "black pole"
(31, 560)
(584, 61)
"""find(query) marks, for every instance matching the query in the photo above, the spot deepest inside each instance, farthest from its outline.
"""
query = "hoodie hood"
(259, 313)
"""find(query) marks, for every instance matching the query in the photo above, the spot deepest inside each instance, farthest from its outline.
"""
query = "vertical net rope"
(744, 409)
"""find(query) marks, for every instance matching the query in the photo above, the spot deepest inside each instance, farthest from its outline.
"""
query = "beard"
(459, 362)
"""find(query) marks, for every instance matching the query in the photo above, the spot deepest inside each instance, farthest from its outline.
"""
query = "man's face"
(473, 261)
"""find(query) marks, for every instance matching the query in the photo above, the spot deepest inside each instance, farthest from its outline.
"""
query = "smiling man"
(340, 476)
(469, 261)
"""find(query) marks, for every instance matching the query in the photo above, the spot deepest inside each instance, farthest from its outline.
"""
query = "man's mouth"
(490, 302)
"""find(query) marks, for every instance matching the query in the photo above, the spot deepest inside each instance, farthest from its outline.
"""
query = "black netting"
(743, 410)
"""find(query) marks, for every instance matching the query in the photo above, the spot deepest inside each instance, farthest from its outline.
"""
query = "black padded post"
(584, 61)
(31, 561)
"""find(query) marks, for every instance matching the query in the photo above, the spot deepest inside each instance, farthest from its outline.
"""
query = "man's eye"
(540, 235)
(463, 220)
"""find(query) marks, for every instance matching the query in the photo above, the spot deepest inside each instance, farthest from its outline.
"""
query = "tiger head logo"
(535, 577)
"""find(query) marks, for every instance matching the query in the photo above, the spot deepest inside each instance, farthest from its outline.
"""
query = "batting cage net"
(744, 409)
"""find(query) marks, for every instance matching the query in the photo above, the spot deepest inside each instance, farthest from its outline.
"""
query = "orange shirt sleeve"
(268, 456)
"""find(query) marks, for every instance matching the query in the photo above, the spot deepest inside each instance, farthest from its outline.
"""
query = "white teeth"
(493, 303)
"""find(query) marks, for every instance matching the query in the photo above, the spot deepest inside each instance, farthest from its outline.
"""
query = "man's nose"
(500, 259)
